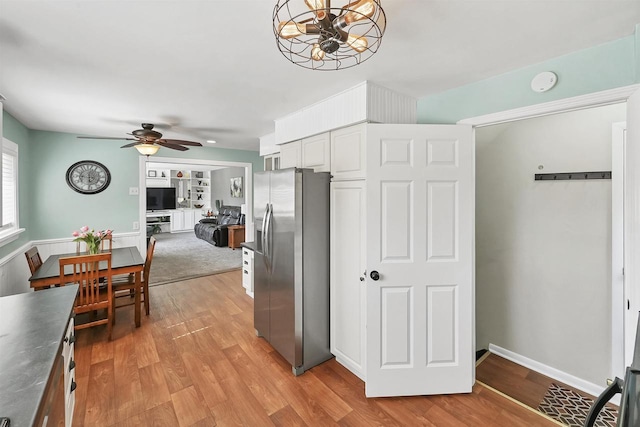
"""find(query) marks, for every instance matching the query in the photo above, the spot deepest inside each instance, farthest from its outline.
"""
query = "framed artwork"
(153, 174)
(236, 186)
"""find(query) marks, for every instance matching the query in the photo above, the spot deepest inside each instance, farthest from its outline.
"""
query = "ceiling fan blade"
(180, 142)
(172, 146)
(130, 145)
(106, 137)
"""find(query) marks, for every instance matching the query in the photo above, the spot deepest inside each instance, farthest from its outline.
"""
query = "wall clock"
(88, 177)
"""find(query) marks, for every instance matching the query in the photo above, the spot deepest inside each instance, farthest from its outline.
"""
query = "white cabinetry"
(316, 152)
(247, 270)
(183, 219)
(291, 155)
(313, 153)
(349, 153)
(347, 285)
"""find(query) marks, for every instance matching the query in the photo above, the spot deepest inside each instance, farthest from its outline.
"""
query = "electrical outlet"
(136, 225)
(133, 191)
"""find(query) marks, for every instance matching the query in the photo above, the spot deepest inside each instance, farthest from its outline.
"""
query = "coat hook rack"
(572, 175)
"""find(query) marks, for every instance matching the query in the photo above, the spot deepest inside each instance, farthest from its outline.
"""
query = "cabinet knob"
(72, 365)
(375, 275)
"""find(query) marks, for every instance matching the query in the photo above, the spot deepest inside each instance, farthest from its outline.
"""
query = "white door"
(420, 225)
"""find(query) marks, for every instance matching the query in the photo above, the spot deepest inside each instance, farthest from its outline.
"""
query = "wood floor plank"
(256, 380)
(196, 361)
(128, 388)
(162, 415)
(287, 417)
(100, 402)
(189, 406)
(204, 379)
(154, 385)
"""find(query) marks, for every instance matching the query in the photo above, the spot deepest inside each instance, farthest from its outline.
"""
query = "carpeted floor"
(180, 256)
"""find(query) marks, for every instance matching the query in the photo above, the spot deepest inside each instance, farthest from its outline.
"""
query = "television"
(161, 198)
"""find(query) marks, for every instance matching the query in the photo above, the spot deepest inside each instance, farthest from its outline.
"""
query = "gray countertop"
(248, 245)
(32, 326)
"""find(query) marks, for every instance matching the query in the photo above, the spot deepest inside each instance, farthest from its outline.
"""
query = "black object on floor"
(480, 353)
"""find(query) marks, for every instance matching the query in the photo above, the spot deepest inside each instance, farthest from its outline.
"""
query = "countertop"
(248, 245)
(32, 327)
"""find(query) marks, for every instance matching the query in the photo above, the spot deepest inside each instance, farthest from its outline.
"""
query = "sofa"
(214, 230)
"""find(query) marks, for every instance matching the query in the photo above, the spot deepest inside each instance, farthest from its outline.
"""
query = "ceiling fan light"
(147, 149)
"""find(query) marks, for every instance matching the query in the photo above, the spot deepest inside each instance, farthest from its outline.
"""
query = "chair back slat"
(84, 270)
(33, 259)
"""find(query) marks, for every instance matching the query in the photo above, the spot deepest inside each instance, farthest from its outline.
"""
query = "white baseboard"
(556, 374)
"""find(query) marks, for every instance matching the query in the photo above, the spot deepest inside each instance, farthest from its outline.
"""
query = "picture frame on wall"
(236, 187)
(152, 174)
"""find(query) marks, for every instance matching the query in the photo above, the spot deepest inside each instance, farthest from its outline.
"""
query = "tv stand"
(160, 219)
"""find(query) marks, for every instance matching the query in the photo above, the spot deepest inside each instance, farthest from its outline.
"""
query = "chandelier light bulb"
(359, 44)
(318, 7)
(317, 54)
(364, 9)
(290, 29)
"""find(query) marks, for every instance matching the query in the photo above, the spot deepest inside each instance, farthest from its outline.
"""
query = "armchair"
(215, 230)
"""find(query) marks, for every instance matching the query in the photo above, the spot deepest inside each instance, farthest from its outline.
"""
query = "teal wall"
(598, 68)
(49, 209)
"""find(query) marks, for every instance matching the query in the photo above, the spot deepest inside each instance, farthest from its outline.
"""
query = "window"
(9, 228)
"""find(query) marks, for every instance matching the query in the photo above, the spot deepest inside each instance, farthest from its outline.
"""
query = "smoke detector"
(544, 81)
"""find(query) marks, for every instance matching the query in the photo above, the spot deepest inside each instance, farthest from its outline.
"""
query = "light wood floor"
(197, 362)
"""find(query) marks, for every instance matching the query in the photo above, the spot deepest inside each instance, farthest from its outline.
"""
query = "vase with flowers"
(91, 238)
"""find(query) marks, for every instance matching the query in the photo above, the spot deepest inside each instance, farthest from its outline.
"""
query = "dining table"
(125, 260)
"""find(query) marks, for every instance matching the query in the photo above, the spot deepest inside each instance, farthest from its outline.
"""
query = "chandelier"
(315, 35)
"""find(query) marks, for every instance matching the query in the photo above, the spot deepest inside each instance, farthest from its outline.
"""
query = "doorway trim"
(142, 185)
(596, 99)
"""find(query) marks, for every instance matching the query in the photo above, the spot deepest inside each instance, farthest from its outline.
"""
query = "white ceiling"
(210, 69)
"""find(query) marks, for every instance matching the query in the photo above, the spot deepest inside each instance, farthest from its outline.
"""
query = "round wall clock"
(88, 177)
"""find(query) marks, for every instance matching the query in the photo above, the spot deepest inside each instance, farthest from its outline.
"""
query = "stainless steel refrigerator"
(291, 264)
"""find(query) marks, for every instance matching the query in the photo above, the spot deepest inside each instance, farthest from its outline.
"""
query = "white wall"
(543, 249)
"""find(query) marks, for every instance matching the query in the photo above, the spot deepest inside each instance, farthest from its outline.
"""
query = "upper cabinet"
(313, 153)
(348, 153)
(316, 152)
(291, 155)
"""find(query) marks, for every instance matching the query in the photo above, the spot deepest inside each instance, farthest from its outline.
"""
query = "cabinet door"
(290, 155)
(347, 284)
(177, 221)
(316, 152)
(348, 153)
(189, 219)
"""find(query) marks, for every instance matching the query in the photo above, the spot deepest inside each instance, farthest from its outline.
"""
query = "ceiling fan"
(147, 141)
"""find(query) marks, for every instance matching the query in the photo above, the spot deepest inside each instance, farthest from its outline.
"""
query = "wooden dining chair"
(106, 243)
(84, 270)
(33, 259)
(124, 287)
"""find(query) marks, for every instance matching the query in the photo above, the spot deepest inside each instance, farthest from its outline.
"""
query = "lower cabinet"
(183, 219)
(247, 270)
(348, 284)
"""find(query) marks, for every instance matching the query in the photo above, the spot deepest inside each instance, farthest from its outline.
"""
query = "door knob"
(374, 275)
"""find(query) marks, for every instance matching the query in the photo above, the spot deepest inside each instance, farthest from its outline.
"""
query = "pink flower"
(84, 229)
(75, 234)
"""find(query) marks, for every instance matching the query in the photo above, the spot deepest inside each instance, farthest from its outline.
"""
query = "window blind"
(9, 189)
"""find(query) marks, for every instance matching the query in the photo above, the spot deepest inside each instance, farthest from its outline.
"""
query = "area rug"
(181, 256)
(571, 408)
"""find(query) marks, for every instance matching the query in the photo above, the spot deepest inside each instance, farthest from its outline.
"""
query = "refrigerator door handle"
(267, 246)
(264, 235)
